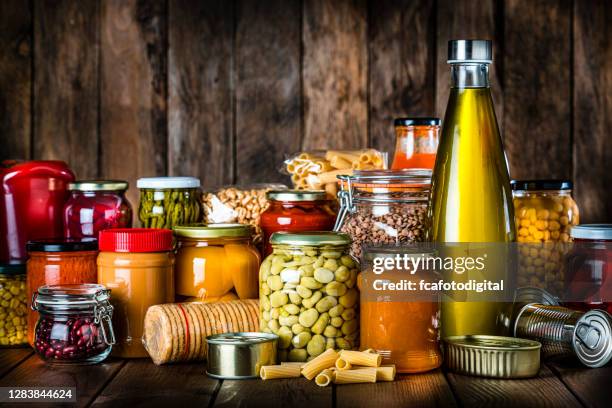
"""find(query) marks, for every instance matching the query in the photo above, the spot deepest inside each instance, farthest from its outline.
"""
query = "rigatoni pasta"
(327, 359)
(342, 364)
(361, 358)
(325, 377)
(279, 371)
(385, 373)
(361, 375)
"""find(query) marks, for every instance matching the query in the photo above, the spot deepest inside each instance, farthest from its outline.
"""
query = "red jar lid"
(135, 240)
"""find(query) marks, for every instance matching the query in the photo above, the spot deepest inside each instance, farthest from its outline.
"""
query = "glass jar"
(32, 197)
(137, 265)
(308, 294)
(95, 205)
(58, 262)
(544, 214)
(168, 201)
(13, 305)
(385, 320)
(416, 143)
(215, 261)
(296, 211)
(384, 207)
(588, 284)
(74, 326)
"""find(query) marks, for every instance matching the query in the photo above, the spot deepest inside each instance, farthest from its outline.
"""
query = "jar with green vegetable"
(13, 305)
(308, 294)
(168, 201)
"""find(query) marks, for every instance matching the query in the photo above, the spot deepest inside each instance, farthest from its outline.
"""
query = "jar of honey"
(137, 266)
(215, 262)
(416, 143)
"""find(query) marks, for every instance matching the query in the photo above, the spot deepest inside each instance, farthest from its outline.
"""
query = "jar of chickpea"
(544, 213)
(13, 305)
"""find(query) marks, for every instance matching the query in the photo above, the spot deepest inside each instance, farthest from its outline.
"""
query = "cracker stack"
(177, 332)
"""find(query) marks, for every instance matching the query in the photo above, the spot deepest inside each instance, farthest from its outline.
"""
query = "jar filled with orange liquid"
(416, 143)
(401, 326)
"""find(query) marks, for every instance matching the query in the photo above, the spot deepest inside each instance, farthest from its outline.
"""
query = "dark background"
(223, 90)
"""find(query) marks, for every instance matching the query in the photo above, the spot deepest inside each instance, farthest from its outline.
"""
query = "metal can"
(563, 331)
(493, 356)
(236, 356)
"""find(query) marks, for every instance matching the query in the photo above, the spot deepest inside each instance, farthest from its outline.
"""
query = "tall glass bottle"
(471, 200)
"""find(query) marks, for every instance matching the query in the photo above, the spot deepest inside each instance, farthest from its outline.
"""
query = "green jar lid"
(313, 238)
(213, 230)
(98, 185)
(13, 268)
(296, 195)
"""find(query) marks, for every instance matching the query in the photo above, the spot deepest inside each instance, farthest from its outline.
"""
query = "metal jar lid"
(296, 195)
(493, 356)
(592, 231)
(592, 340)
(213, 231)
(310, 238)
(98, 185)
(240, 355)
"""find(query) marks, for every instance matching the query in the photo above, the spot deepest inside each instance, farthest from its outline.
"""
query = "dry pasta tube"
(273, 372)
(293, 363)
(340, 163)
(342, 364)
(385, 373)
(325, 377)
(361, 358)
(370, 156)
(332, 176)
(349, 156)
(327, 359)
(362, 375)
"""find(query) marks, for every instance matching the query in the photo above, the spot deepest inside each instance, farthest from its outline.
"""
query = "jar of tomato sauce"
(58, 262)
(416, 143)
(32, 198)
(296, 211)
(95, 205)
(589, 268)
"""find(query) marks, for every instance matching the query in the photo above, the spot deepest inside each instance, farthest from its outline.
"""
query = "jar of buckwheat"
(384, 207)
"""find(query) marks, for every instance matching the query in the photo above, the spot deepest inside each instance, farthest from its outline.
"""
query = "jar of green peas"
(13, 305)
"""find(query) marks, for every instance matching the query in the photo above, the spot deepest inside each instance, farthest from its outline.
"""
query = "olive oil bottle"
(471, 200)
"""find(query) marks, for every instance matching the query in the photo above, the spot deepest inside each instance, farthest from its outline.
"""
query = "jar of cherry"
(74, 324)
(96, 205)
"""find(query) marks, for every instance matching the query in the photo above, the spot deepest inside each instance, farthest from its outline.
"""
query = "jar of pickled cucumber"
(544, 214)
(308, 294)
(168, 201)
(13, 305)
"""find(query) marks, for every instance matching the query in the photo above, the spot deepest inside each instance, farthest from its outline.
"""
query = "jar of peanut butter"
(137, 266)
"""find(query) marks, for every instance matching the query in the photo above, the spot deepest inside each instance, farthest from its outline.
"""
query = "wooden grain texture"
(464, 20)
(133, 90)
(66, 83)
(591, 386)
(402, 65)
(15, 79)
(545, 390)
(537, 92)
(273, 393)
(88, 380)
(593, 109)
(268, 92)
(10, 358)
(424, 390)
(200, 129)
(140, 383)
(335, 74)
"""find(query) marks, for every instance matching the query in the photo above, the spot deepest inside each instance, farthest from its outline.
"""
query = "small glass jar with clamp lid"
(74, 324)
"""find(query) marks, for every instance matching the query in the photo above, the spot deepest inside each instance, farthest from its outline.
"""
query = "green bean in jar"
(166, 202)
(308, 294)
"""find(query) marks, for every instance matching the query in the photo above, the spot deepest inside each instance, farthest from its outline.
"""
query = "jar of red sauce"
(416, 143)
(296, 211)
(32, 198)
(589, 268)
(58, 262)
(96, 205)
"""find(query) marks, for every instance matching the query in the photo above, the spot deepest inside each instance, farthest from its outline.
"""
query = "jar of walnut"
(384, 207)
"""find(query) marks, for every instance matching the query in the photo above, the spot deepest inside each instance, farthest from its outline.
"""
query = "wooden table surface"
(135, 383)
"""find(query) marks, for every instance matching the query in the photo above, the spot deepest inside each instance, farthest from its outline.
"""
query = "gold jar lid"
(213, 231)
(311, 238)
(296, 195)
(98, 185)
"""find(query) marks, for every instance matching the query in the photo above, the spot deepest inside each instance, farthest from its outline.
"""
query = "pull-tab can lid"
(592, 339)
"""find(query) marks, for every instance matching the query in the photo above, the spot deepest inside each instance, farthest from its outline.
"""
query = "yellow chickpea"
(543, 214)
(525, 223)
(541, 224)
(554, 226)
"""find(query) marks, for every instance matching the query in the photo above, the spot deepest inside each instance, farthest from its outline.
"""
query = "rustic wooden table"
(134, 383)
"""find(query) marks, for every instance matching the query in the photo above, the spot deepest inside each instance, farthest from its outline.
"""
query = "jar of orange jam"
(215, 262)
(416, 143)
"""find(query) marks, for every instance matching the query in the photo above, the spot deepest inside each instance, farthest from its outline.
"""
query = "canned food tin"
(236, 356)
(563, 331)
(527, 295)
(493, 356)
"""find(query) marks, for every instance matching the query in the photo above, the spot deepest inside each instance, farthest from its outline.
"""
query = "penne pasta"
(361, 358)
(385, 373)
(273, 372)
(325, 377)
(362, 375)
(342, 364)
(327, 359)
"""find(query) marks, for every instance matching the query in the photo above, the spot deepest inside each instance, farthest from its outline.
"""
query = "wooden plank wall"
(223, 90)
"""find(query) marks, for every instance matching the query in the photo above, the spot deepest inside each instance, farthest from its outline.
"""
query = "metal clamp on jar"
(74, 326)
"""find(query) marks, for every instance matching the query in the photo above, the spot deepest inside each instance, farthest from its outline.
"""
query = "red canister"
(32, 197)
